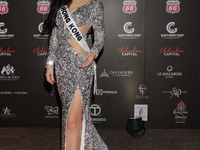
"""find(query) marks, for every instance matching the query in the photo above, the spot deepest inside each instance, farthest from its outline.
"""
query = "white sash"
(71, 25)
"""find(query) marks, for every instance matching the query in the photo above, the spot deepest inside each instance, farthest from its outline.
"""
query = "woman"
(74, 84)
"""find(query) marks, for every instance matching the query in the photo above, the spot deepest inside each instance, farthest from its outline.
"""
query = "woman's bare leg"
(73, 134)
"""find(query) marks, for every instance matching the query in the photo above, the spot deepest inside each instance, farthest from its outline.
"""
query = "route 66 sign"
(3, 7)
(173, 6)
(129, 6)
(43, 7)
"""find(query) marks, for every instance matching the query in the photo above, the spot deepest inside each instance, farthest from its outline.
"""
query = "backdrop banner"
(149, 66)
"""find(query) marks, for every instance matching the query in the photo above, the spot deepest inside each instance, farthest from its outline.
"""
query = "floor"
(116, 139)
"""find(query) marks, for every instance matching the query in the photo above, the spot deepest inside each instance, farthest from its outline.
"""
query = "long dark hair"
(50, 22)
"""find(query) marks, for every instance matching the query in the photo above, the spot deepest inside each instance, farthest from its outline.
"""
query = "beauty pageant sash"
(71, 25)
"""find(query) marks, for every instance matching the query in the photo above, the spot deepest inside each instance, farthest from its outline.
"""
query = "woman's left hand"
(90, 56)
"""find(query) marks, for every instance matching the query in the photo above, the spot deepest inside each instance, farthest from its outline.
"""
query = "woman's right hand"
(49, 75)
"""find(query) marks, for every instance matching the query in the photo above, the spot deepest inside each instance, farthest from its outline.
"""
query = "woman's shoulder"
(97, 3)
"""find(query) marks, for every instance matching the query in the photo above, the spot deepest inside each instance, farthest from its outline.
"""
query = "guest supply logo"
(169, 73)
(102, 92)
(171, 32)
(41, 35)
(96, 114)
(129, 6)
(7, 74)
(6, 52)
(43, 7)
(142, 88)
(3, 32)
(175, 92)
(3, 7)
(171, 52)
(117, 73)
(129, 32)
(7, 114)
(180, 113)
(52, 112)
(128, 52)
(40, 51)
(173, 6)
(141, 110)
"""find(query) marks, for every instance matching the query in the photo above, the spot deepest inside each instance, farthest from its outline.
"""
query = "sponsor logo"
(104, 74)
(52, 112)
(95, 112)
(126, 52)
(170, 52)
(41, 35)
(175, 92)
(116, 73)
(180, 113)
(171, 32)
(40, 51)
(121, 73)
(7, 52)
(129, 6)
(141, 110)
(7, 74)
(129, 32)
(102, 92)
(13, 93)
(7, 114)
(142, 88)
(43, 7)
(169, 73)
(173, 6)
(3, 7)
(3, 32)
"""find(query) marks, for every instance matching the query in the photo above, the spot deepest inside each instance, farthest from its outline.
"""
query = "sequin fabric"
(68, 76)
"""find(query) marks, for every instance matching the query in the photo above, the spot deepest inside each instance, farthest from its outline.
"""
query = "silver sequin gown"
(69, 77)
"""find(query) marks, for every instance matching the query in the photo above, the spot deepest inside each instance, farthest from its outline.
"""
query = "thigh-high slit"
(68, 81)
(74, 123)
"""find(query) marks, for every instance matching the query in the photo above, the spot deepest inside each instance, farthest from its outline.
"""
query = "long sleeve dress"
(69, 77)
